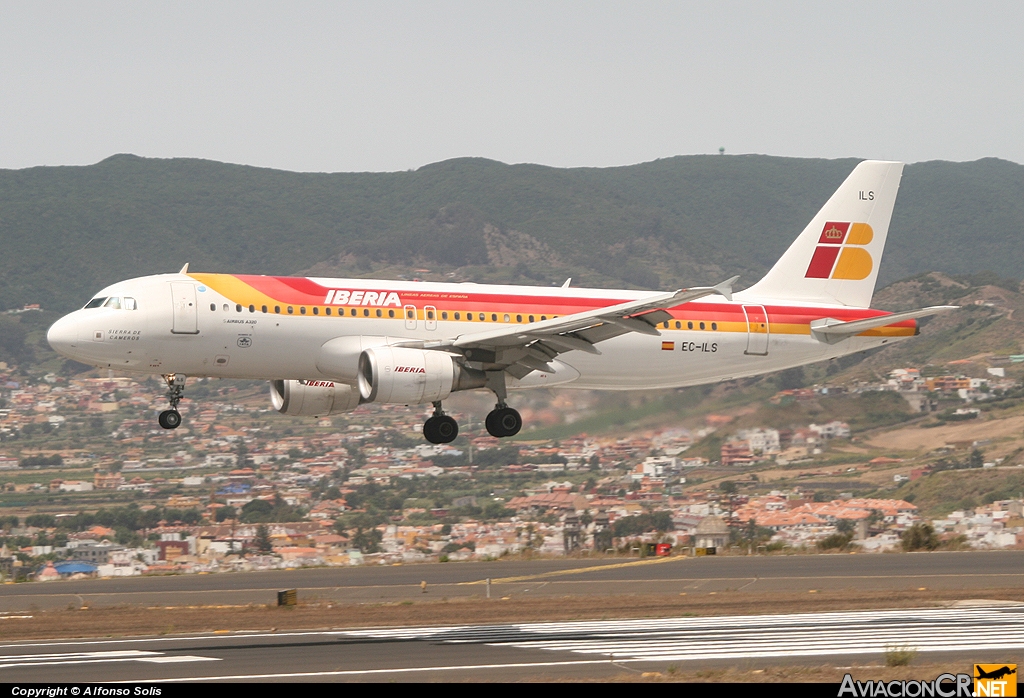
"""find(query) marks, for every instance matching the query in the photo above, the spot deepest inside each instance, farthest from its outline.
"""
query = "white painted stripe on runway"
(174, 659)
(61, 659)
(369, 672)
(682, 639)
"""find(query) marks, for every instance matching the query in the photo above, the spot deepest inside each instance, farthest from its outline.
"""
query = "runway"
(524, 650)
(800, 573)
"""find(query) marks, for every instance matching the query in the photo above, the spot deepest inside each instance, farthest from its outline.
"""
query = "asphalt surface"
(516, 651)
(952, 570)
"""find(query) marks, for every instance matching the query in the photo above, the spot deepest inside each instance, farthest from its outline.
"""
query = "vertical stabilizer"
(836, 257)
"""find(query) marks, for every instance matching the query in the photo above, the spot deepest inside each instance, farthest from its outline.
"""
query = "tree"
(977, 459)
(920, 536)
(846, 527)
(728, 487)
(263, 543)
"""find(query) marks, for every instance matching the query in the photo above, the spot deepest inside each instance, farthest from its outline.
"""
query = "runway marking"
(581, 570)
(64, 658)
(732, 637)
(365, 672)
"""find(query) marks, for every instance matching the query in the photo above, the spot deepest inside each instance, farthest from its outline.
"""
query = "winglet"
(725, 288)
(567, 282)
(184, 269)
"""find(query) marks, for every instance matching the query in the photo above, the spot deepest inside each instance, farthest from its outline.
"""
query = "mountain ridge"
(682, 220)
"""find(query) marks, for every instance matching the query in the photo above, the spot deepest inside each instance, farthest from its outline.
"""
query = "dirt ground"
(134, 621)
(926, 439)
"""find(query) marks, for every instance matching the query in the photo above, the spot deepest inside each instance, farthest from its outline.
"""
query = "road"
(591, 649)
(952, 570)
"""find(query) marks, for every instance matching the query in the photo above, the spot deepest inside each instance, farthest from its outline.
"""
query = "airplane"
(328, 345)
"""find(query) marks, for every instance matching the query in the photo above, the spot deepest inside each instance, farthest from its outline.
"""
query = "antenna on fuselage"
(184, 269)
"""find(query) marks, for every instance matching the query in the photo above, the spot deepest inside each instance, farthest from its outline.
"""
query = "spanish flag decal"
(668, 346)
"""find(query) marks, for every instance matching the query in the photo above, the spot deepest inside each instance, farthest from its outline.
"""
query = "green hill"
(67, 231)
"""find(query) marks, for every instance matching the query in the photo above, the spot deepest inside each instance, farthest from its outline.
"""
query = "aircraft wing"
(831, 330)
(522, 349)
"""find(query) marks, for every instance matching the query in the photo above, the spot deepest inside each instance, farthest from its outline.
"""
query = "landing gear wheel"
(503, 421)
(170, 419)
(440, 429)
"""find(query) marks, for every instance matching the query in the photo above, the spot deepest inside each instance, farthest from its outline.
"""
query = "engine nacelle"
(312, 398)
(410, 376)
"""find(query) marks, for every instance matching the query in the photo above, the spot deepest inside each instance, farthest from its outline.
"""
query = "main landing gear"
(440, 428)
(171, 419)
(502, 421)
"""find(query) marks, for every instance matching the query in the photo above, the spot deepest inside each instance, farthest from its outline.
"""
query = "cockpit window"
(129, 303)
(95, 302)
(113, 302)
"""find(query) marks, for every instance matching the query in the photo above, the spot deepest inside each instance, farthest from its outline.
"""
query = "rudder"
(835, 259)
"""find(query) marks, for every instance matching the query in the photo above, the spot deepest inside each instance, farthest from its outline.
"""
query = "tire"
(170, 419)
(446, 429)
(503, 422)
(430, 431)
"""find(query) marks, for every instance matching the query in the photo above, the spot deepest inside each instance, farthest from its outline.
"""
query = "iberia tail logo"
(840, 252)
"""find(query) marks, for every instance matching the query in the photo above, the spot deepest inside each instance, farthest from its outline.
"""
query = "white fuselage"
(231, 330)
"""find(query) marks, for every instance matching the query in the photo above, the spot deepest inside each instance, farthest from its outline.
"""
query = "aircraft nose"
(63, 335)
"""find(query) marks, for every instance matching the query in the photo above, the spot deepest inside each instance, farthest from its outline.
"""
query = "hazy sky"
(378, 85)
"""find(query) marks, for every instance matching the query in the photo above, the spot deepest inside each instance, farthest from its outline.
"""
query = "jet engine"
(410, 376)
(312, 398)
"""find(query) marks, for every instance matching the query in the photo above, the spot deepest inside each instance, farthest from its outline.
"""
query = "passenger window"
(689, 325)
(238, 307)
(444, 314)
(519, 318)
(327, 311)
(482, 317)
(263, 308)
(113, 302)
(714, 325)
(469, 316)
(531, 318)
(302, 310)
(353, 312)
(252, 308)
(494, 317)
(702, 325)
(507, 318)
(409, 314)
(129, 303)
(366, 312)
(678, 324)
(456, 316)
(225, 307)
(543, 318)
(391, 313)
(213, 307)
(430, 314)
(291, 310)
(277, 309)
(316, 311)
(95, 303)
(379, 312)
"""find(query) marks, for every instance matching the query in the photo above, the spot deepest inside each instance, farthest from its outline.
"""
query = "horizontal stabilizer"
(831, 330)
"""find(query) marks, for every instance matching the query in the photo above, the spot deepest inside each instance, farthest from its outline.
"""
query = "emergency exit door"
(186, 314)
(757, 330)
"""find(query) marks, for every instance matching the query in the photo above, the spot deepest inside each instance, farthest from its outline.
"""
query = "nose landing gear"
(440, 428)
(171, 419)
